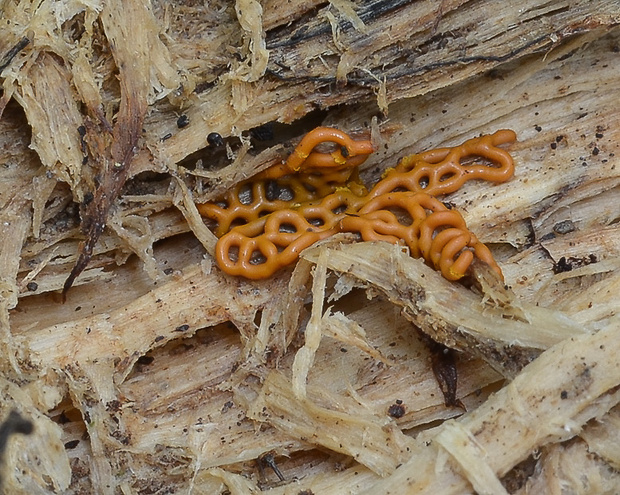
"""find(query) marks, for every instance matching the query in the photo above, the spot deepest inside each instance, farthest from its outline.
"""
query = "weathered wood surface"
(161, 373)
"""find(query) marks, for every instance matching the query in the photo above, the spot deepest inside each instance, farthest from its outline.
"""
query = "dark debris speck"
(564, 227)
(182, 121)
(396, 410)
(71, 444)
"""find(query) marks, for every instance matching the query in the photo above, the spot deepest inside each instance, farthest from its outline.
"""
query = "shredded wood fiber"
(160, 374)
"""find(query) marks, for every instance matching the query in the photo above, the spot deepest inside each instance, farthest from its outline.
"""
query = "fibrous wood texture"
(160, 374)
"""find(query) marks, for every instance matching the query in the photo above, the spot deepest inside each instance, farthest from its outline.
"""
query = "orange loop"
(303, 154)
(445, 170)
(275, 188)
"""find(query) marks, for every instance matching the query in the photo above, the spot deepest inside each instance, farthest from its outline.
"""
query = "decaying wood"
(113, 149)
(161, 374)
(571, 464)
(507, 337)
(527, 412)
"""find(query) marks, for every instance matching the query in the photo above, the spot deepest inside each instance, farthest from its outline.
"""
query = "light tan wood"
(161, 373)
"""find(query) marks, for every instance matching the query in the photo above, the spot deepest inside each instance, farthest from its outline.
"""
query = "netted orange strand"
(259, 249)
(380, 225)
(427, 226)
(423, 223)
(390, 217)
(445, 170)
(322, 163)
(277, 188)
(355, 152)
(276, 230)
(252, 199)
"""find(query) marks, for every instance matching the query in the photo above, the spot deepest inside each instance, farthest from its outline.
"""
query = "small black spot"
(167, 136)
(215, 140)
(538, 128)
(182, 328)
(562, 266)
(71, 444)
(168, 271)
(595, 151)
(159, 338)
(563, 395)
(396, 410)
(554, 146)
(32, 286)
(182, 121)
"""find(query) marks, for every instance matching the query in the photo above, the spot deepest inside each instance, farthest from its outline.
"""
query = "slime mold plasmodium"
(264, 223)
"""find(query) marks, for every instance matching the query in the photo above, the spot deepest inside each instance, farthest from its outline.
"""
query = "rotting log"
(161, 373)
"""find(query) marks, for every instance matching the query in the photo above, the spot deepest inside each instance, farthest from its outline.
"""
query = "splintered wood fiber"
(130, 363)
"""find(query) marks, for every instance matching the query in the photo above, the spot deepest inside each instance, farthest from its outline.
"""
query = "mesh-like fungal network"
(264, 223)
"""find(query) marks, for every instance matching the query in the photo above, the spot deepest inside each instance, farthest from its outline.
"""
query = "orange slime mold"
(261, 231)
